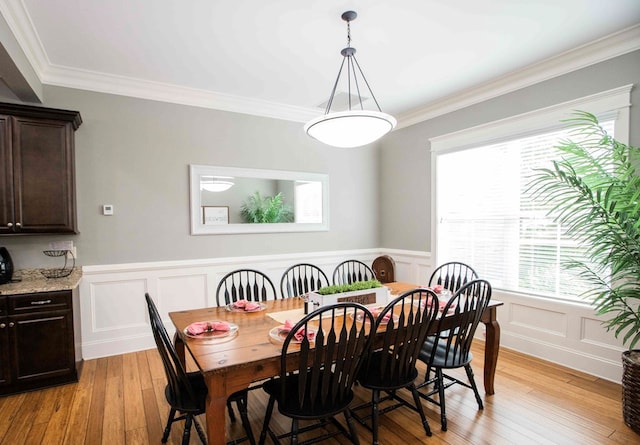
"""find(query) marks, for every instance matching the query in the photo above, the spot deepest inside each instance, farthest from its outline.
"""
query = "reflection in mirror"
(236, 200)
(215, 183)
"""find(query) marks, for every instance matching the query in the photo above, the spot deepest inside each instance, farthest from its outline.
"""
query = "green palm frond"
(268, 209)
(593, 191)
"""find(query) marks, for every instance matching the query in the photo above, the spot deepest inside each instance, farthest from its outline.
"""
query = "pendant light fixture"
(356, 126)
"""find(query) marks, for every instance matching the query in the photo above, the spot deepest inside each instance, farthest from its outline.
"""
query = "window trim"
(614, 102)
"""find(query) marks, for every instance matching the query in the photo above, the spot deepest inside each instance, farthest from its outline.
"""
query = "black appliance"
(6, 266)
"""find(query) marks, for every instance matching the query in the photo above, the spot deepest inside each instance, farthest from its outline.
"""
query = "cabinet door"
(5, 358)
(43, 176)
(6, 176)
(42, 345)
(5, 365)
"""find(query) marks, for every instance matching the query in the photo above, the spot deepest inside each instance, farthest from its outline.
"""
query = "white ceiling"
(280, 57)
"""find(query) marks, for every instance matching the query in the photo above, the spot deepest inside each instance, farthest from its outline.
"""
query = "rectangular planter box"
(378, 296)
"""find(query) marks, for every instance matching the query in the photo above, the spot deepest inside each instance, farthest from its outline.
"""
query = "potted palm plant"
(594, 193)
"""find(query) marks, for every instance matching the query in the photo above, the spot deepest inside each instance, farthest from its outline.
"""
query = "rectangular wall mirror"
(241, 200)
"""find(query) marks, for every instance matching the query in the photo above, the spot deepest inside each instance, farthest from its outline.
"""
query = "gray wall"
(405, 195)
(135, 154)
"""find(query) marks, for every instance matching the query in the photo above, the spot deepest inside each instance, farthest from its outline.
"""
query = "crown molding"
(22, 27)
(20, 24)
(164, 92)
(608, 47)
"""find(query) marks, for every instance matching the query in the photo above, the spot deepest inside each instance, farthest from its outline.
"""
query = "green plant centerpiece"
(364, 292)
(268, 209)
(594, 193)
(340, 288)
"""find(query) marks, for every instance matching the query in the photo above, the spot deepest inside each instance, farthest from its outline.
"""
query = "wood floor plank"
(137, 437)
(133, 405)
(46, 405)
(113, 431)
(36, 434)
(96, 411)
(57, 425)
(76, 430)
(143, 370)
(8, 412)
(153, 420)
(24, 418)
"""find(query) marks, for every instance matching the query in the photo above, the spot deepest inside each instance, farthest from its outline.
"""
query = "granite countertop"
(32, 280)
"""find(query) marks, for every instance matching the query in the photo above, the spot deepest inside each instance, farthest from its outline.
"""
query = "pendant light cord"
(349, 53)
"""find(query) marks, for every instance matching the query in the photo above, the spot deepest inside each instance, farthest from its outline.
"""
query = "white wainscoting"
(114, 318)
(568, 333)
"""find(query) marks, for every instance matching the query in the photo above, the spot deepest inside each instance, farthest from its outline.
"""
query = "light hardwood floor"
(120, 400)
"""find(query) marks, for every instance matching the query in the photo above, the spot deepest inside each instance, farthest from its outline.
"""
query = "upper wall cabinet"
(37, 186)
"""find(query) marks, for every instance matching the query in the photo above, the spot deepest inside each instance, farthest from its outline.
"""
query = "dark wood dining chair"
(452, 275)
(351, 271)
(384, 268)
(245, 284)
(390, 365)
(300, 279)
(440, 352)
(186, 392)
(317, 386)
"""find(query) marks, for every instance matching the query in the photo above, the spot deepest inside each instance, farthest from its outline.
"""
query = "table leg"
(216, 409)
(491, 348)
(178, 345)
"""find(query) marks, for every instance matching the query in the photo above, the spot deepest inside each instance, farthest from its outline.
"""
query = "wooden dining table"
(232, 363)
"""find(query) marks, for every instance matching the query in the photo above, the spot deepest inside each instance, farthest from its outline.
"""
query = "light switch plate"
(107, 209)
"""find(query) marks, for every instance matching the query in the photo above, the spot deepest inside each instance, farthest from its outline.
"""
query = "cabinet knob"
(11, 324)
(18, 224)
(9, 225)
(3, 325)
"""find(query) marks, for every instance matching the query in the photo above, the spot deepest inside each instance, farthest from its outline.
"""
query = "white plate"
(214, 335)
(279, 333)
(358, 318)
(231, 308)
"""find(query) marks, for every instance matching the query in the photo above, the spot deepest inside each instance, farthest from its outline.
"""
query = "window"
(308, 202)
(484, 217)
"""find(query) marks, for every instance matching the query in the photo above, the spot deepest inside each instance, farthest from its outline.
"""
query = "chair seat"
(441, 359)
(372, 378)
(187, 404)
(312, 410)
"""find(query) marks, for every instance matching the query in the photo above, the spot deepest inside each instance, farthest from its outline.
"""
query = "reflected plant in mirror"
(240, 200)
(268, 209)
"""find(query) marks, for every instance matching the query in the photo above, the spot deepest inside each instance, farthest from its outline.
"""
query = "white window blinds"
(486, 219)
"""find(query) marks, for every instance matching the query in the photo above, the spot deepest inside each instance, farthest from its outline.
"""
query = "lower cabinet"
(36, 341)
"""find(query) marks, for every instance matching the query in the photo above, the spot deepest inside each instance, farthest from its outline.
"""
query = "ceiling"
(279, 58)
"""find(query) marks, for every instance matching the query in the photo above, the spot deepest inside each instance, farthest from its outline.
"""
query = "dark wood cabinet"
(37, 162)
(37, 340)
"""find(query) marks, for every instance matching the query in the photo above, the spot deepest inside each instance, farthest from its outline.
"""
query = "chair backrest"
(177, 381)
(464, 311)
(384, 267)
(245, 284)
(452, 276)
(351, 271)
(300, 279)
(328, 366)
(403, 325)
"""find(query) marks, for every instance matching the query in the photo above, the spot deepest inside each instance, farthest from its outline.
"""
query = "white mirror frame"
(197, 228)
